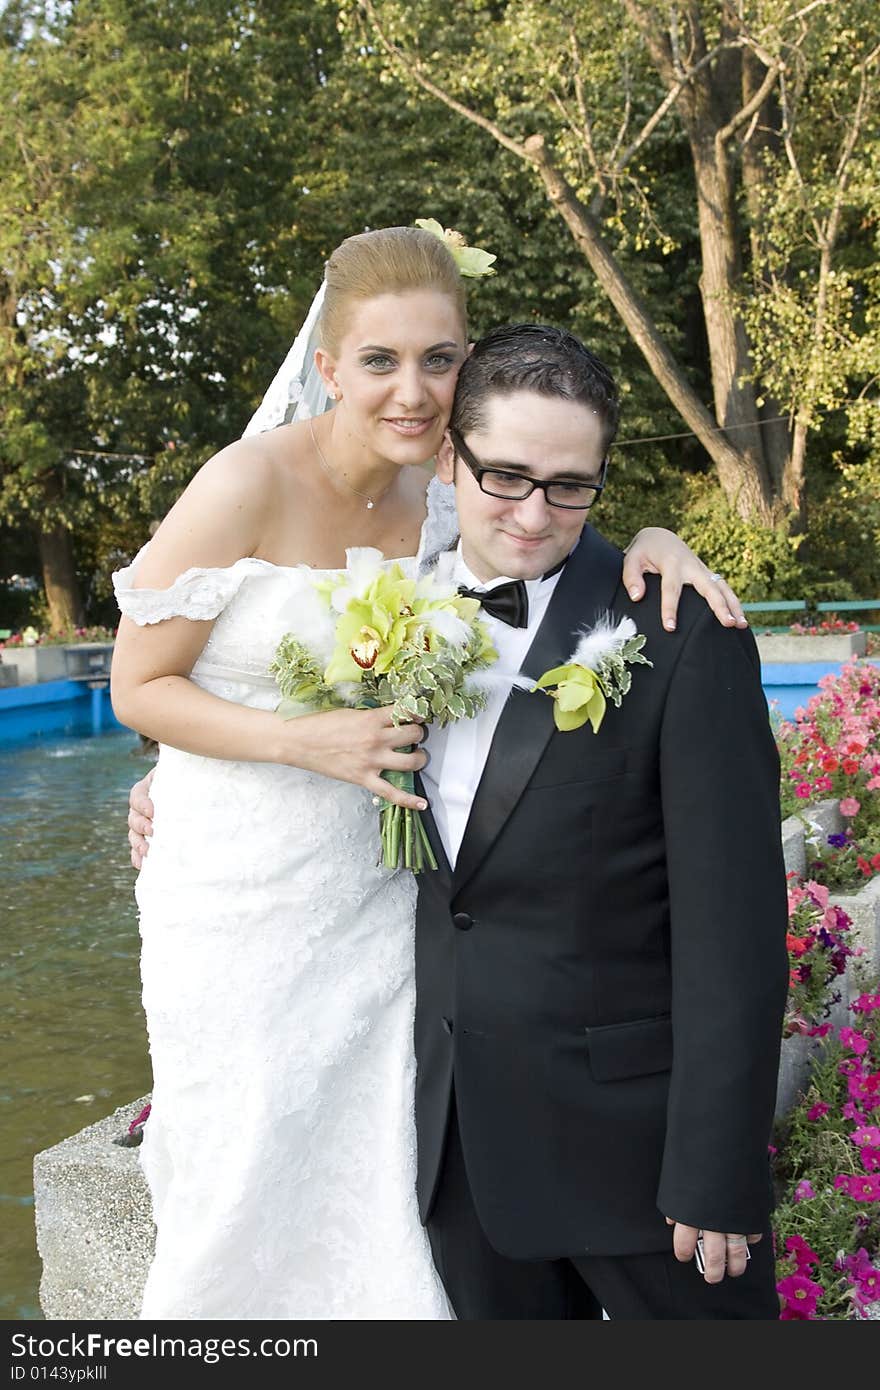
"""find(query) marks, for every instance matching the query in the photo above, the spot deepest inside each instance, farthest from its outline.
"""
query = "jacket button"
(463, 921)
(447, 1025)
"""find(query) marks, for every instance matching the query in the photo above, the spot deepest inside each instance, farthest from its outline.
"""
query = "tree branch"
(627, 112)
(751, 107)
(788, 145)
(670, 99)
(842, 173)
(413, 70)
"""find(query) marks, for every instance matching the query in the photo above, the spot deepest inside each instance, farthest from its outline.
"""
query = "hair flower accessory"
(597, 671)
(471, 261)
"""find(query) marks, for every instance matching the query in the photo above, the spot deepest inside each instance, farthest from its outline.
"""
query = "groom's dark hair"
(534, 357)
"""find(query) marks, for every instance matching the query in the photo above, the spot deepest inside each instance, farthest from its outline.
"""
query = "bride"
(276, 957)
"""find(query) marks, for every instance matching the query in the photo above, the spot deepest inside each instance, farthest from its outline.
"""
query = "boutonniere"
(597, 671)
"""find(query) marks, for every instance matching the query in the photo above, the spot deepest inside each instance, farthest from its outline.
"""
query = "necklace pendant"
(370, 504)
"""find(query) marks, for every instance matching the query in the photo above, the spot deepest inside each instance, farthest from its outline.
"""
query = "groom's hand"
(140, 819)
(723, 1252)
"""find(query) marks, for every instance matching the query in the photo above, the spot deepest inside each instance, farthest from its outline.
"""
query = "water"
(74, 1041)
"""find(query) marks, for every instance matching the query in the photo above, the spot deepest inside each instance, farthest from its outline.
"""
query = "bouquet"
(378, 635)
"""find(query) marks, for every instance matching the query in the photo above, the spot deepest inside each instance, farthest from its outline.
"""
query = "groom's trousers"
(483, 1286)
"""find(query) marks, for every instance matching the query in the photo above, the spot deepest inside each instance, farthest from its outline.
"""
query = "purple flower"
(804, 1191)
(838, 841)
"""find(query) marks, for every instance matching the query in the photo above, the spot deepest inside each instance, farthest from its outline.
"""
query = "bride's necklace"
(339, 477)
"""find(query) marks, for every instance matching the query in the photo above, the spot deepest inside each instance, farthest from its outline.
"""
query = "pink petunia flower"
(804, 1191)
(855, 1041)
(866, 1003)
(849, 806)
(818, 892)
(804, 1255)
(866, 1134)
(801, 1296)
(861, 1189)
(816, 1111)
(864, 1275)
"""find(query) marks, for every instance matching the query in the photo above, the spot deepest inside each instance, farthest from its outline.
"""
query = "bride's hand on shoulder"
(357, 746)
(654, 550)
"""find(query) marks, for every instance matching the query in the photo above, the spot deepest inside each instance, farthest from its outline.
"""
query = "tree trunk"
(59, 578)
(762, 140)
(733, 390)
(743, 482)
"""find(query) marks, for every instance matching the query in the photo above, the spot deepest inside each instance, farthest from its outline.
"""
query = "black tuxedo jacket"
(603, 977)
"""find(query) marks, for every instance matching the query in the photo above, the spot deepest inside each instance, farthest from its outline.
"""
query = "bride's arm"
(658, 551)
(217, 521)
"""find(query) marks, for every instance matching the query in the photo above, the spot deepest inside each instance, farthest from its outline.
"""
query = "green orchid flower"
(471, 261)
(577, 697)
(373, 629)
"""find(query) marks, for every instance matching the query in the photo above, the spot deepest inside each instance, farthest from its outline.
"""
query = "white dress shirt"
(457, 753)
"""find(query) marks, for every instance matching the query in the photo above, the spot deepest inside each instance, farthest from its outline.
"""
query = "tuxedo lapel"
(585, 590)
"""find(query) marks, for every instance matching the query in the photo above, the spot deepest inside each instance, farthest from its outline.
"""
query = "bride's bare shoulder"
(252, 468)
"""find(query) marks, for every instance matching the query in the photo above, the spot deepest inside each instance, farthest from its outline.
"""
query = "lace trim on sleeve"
(197, 594)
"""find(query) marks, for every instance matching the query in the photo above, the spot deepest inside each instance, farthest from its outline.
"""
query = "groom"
(601, 967)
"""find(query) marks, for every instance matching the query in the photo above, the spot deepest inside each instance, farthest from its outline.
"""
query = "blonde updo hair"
(390, 260)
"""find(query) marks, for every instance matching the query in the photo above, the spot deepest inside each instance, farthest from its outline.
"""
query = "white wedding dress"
(278, 985)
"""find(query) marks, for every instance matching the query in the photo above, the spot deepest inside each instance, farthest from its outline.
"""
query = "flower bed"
(833, 749)
(827, 1154)
(57, 637)
(827, 1166)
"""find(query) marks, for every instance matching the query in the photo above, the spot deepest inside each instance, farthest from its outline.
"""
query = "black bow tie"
(508, 602)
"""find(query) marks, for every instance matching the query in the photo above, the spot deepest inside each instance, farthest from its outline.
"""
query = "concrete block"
(864, 909)
(94, 1222)
(36, 664)
(793, 850)
(833, 646)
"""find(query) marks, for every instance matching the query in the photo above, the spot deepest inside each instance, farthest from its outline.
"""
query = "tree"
(771, 100)
(150, 269)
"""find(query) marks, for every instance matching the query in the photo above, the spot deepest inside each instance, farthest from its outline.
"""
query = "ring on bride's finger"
(716, 577)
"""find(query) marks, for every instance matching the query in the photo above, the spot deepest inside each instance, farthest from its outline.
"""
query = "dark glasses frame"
(479, 470)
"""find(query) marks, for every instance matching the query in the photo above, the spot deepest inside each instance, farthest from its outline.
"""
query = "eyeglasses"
(513, 487)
